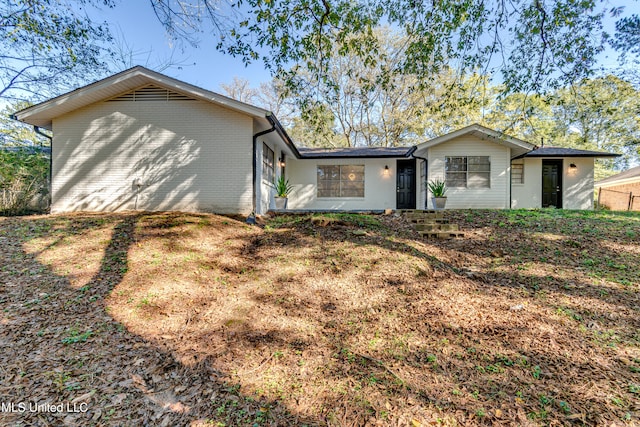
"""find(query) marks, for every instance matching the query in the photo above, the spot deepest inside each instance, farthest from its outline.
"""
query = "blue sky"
(135, 22)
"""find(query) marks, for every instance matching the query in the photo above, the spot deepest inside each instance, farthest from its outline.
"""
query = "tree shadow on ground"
(564, 335)
(61, 346)
(351, 328)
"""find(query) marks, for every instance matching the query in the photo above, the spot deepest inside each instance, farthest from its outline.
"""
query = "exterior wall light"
(386, 170)
(573, 166)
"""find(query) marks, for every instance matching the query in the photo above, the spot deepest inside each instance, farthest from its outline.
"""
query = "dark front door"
(406, 184)
(552, 183)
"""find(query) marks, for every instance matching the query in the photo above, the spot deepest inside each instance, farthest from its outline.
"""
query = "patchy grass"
(333, 319)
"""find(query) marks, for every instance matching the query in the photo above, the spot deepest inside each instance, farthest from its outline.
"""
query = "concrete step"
(406, 211)
(432, 224)
(424, 216)
(431, 221)
(441, 234)
(437, 227)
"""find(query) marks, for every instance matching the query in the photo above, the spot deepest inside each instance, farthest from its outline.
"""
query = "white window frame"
(268, 164)
(519, 165)
(343, 181)
(465, 171)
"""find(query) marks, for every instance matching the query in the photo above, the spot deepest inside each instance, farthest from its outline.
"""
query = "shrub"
(23, 181)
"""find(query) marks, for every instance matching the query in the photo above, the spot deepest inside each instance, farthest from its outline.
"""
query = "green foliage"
(437, 188)
(599, 114)
(23, 176)
(24, 165)
(360, 220)
(372, 103)
(550, 44)
(75, 336)
(283, 188)
(14, 133)
(358, 104)
(536, 372)
(627, 38)
(45, 46)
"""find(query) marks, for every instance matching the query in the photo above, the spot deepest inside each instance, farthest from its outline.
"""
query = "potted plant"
(283, 189)
(438, 190)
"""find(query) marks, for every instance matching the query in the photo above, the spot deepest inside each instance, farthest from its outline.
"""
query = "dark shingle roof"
(566, 152)
(631, 173)
(361, 152)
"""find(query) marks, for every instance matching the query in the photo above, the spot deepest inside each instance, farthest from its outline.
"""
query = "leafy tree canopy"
(535, 44)
(600, 114)
(14, 133)
(47, 45)
(627, 39)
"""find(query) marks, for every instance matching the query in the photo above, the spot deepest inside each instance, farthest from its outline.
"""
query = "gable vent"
(152, 93)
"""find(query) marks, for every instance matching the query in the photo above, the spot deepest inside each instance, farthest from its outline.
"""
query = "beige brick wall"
(186, 155)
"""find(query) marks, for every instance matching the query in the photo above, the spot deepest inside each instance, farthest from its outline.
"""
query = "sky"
(134, 22)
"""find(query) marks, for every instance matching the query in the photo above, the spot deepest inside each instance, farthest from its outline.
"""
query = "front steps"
(432, 224)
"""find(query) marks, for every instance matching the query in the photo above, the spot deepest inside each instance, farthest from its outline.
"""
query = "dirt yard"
(171, 319)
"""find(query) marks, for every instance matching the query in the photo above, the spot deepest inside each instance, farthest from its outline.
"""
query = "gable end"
(152, 93)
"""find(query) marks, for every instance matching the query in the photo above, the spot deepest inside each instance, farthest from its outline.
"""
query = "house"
(144, 141)
(554, 177)
(620, 191)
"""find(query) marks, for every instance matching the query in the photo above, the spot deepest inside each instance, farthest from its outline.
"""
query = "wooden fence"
(618, 200)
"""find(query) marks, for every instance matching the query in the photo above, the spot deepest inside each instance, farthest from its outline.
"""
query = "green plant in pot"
(438, 189)
(283, 189)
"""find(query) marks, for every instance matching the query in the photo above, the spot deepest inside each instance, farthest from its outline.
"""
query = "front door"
(552, 183)
(406, 184)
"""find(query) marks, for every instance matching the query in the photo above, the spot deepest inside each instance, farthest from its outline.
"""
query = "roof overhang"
(42, 114)
(558, 152)
(357, 153)
(284, 136)
(518, 146)
(616, 182)
(630, 176)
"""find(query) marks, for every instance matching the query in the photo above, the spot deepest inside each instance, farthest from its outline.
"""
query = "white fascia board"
(150, 77)
(474, 130)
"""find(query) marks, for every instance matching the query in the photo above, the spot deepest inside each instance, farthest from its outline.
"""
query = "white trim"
(476, 129)
(122, 78)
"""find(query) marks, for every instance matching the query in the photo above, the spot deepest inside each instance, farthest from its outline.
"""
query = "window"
(517, 172)
(341, 181)
(468, 172)
(268, 163)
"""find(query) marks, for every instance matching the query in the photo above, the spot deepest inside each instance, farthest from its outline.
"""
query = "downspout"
(39, 132)
(251, 219)
(50, 138)
(511, 183)
(426, 176)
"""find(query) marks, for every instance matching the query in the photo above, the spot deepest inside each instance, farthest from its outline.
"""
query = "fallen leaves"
(180, 319)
